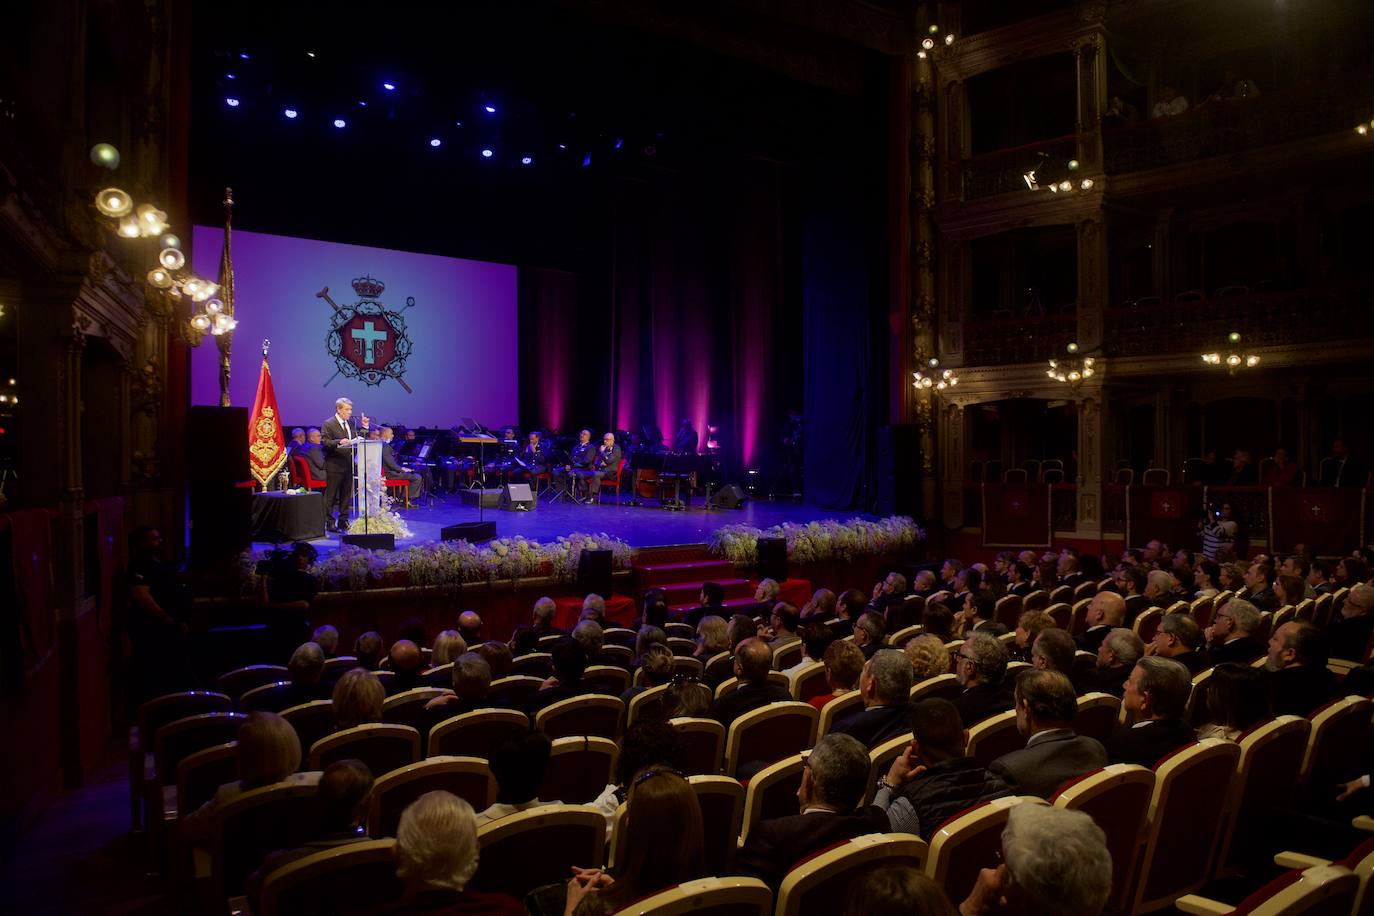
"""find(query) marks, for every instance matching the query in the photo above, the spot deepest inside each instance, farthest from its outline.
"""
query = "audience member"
(544, 611)
(326, 637)
(519, 765)
(498, 657)
(925, 583)
(1054, 650)
(897, 890)
(436, 857)
(646, 638)
(949, 572)
(369, 649)
(844, 664)
(712, 601)
(1296, 564)
(358, 697)
(1320, 578)
(1115, 658)
(885, 685)
(713, 638)
(1350, 571)
(1258, 589)
(1219, 534)
(470, 627)
(833, 784)
(1298, 675)
(1046, 707)
(933, 779)
(448, 645)
(848, 608)
(470, 678)
(655, 609)
(741, 627)
(1178, 637)
(413, 629)
(869, 630)
(647, 743)
(406, 663)
(1028, 626)
(928, 656)
(1228, 638)
(1206, 579)
(1134, 581)
(306, 673)
(1054, 861)
(820, 608)
(981, 666)
(782, 625)
(753, 661)
(815, 639)
(1342, 469)
(1019, 580)
(1238, 698)
(569, 662)
(1349, 634)
(268, 752)
(767, 592)
(977, 615)
(594, 608)
(1156, 695)
(1105, 611)
(592, 638)
(655, 670)
(686, 697)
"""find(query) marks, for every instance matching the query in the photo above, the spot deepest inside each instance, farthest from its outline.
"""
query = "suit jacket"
(1043, 766)
(1020, 589)
(582, 456)
(314, 456)
(981, 701)
(1104, 680)
(695, 615)
(876, 724)
(774, 846)
(1243, 650)
(686, 441)
(1349, 635)
(1134, 606)
(1091, 639)
(1265, 599)
(840, 627)
(991, 627)
(338, 458)
(746, 698)
(1194, 661)
(608, 460)
(390, 466)
(537, 460)
(1073, 579)
(1298, 690)
(1146, 743)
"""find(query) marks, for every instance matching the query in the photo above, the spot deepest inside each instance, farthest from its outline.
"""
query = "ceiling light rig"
(1074, 369)
(932, 39)
(933, 377)
(1234, 359)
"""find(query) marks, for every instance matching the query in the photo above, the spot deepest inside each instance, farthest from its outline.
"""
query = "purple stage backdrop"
(436, 344)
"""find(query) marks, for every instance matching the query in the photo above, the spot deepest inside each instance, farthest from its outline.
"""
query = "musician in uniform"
(579, 462)
(504, 462)
(338, 435)
(293, 445)
(606, 464)
(685, 442)
(394, 470)
(535, 456)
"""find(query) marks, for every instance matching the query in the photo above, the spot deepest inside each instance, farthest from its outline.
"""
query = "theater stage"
(639, 526)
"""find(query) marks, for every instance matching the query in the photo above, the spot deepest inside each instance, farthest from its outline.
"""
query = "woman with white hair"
(436, 857)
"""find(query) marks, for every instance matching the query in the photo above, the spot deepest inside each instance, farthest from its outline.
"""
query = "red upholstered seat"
(601, 716)
(300, 474)
(722, 812)
(476, 733)
(466, 777)
(1117, 798)
(770, 734)
(579, 770)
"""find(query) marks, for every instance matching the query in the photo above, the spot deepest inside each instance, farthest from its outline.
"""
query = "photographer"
(287, 583)
(1219, 533)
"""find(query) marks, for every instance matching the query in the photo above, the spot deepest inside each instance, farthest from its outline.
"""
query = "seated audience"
(1349, 633)
(341, 808)
(1105, 611)
(1028, 626)
(326, 637)
(498, 657)
(519, 764)
(933, 779)
(925, 583)
(767, 592)
(1134, 581)
(569, 662)
(686, 697)
(1019, 580)
(1298, 675)
(1046, 707)
(1258, 587)
(820, 608)
(1238, 698)
(815, 639)
(655, 610)
(1156, 695)
(782, 625)
(448, 645)
(406, 664)
(306, 673)
(1350, 571)
(1178, 637)
(413, 629)
(844, 664)
(268, 752)
(1290, 589)
(523, 641)
(369, 650)
(1115, 659)
(949, 573)
(1228, 638)
(470, 627)
(647, 743)
(869, 631)
(1206, 579)
(712, 600)
(1054, 650)
(981, 667)
(928, 656)
(1054, 861)
(436, 857)
(896, 891)
(358, 697)
(833, 784)
(938, 620)
(655, 670)
(753, 661)
(594, 608)
(1320, 578)
(544, 611)
(976, 617)
(885, 685)
(663, 846)
(470, 678)
(740, 628)
(592, 639)
(848, 608)
(647, 638)
(713, 638)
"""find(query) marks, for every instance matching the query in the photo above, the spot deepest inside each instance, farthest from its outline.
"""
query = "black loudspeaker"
(489, 499)
(517, 497)
(472, 532)
(899, 470)
(218, 440)
(730, 496)
(773, 558)
(370, 541)
(221, 520)
(594, 572)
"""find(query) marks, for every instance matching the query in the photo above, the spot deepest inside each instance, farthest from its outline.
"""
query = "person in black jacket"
(933, 780)
(1259, 579)
(338, 435)
(1349, 633)
(394, 470)
(981, 668)
(1106, 610)
(1115, 659)
(1297, 669)
(753, 659)
(885, 685)
(1228, 638)
(1177, 637)
(1156, 696)
(569, 660)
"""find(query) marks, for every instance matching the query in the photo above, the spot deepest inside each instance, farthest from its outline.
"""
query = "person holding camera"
(1219, 533)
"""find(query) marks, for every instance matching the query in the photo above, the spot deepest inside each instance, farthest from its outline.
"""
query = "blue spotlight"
(340, 123)
(562, 146)
(291, 113)
(619, 142)
(361, 103)
(389, 87)
(527, 160)
(230, 76)
(489, 109)
(486, 154)
(586, 160)
(243, 55)
(232, 102)
(435, 142)
(457, 123)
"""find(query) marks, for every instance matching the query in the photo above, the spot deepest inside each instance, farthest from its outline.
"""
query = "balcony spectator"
(1219, 535)
(1280, 472)
(1243, 473)
(1342, 469)
(1119, 113)
(1170, 103)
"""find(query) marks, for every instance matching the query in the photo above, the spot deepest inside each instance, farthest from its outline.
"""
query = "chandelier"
(1073, 369)
(936, 378)
(1235, 359)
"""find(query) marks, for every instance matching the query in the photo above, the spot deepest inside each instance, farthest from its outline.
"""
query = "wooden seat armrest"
(1363, 822)
(1289, 859)
(1192, 903)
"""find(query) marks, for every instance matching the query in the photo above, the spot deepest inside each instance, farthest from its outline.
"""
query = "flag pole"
(225, 341)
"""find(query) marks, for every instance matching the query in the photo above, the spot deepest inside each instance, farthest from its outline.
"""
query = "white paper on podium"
(367, 478)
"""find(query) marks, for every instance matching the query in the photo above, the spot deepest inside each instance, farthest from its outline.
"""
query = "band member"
(313, 453)
(580, 461)
(504, 462)
(685, 442)
(394, 470)
(535, 456)
(293, 445)
(606, 464)
(338, 435)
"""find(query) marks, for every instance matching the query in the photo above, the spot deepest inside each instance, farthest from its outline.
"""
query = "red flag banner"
(266, 441)
(1170, 514)
(1327, 520)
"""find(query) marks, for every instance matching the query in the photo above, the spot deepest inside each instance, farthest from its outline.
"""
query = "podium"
(368, 489)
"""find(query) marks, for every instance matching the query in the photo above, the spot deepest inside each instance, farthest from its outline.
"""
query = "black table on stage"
(279, 516)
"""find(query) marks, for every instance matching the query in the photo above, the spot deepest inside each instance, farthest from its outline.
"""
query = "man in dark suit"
(1115, 658)
(1177, 637)
(978, 610)
(685, 442)
(471, 679)
(1045, 710)
(981, 668)
(1259, 579)
(869, 631)
(1134, 580)
(406, 663)
(834, 780)
(1342, 469)
(605, 465)
(753, 660)
(1106, 610)
(1349, 633)
(1019, 580)
(712, 598)
(885, 685)
(338, 435)
(313, 453)
(1156, 695)
(1297, 669)
(580, 461)
(394, 470)
(535, 456)
(1228, 638)
(569, 661)
(1069, 573)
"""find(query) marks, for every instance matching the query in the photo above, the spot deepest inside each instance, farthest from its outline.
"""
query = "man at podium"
(338, 435)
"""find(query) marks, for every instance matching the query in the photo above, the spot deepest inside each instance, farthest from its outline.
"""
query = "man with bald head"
(1107, 610)
(753, 659)
(470, 627)
(406, 662)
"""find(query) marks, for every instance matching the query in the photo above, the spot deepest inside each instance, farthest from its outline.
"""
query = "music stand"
(676, 466)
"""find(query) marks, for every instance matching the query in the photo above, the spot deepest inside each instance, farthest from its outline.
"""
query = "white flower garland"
(818, 541)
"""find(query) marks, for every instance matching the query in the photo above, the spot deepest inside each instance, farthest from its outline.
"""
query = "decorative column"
(1092, 282)
(1091, 461)
(923, 317)
(1091, 83)
(952, 462)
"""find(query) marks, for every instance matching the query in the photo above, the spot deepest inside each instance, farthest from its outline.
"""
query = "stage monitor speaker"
(899, 470)
(594, 572)
(730, 496)
(221, 521)
(489, 498)
(218, 440)
(472, 532)
(370, 541)
(772, 558)
(517, 497)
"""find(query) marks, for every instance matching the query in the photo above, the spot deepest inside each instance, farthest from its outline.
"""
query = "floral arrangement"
(383, 521)
(812, 542)
(450, 564)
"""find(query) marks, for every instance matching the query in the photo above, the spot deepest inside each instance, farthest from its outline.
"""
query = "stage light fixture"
(243, 55)
(562, 146)
(114, 202)
(527, 160)
(105, 155)
(291, 113)
(435, 142)
(170, 241)
(310, 54)
(619, 142)
(230, 76)
(1086, 184)
(232, 102)
(389, 87)
(457, 123)
(487, 154)
(587, 160)
(128, 227)
(949, 39)
(934, 30)
(1073, 165)
(921, 55)
(159, 278)
(340, 123)
(361, 103)
(489, 109)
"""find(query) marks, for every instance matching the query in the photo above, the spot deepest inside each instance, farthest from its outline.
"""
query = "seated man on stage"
(606, 464)
(535, 457)
(394, 470)
(685, 442)
(293, 445)
(313, 453)
(504, 462)
(580, 461)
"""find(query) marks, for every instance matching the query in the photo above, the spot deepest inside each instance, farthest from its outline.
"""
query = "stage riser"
(685, 594)
(664, 574)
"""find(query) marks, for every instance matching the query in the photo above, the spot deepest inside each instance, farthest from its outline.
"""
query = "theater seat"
(969, 842)
(772, 792)
(1117, 798)
(769, 734)
(352, 878)
(703, 744)
(709, 897)
(382, 747)
(820, 882)
(1321, 889)
(466, 777)
(601, 716)
(538, 846)
(476, 733)
(580, 768)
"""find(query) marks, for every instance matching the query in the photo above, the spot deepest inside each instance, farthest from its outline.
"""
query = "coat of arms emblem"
(367, 340)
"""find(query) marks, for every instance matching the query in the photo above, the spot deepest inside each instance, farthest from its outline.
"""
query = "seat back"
(201, 773)
(177, 740)
(1336, 747)
(466, 777)
(1196, 711)
(241, 680)
(1098, 715)
(336, 666)
(624, 656)
(586, 715)
(722, 812)
(945, 686)
(268, 698)
(312, 721)
(837, 709)
(820, 883)
(680, 630)
(730, 684)
(1320, 890)
(533, 664)
(718, 668)
(709, 897)
(787, 655)
(1321, 610)
(968, 842)
(580, 768)
(901, 637)
(1007, 611)
(513, 692)
(682, 645)
(772, 792)
(1147, 622)
(619, 636)
(1078, 618)
(382, 747)
(1062, 612)
(280, 816)
(408, 706)
(158, 711)
(880, 761)
(645, 704)
(769, 734)
(686, 666)
(1037, 600)
(993, 737)
(1271, 757)
(703, 743)
(1061, 594)
(1192, 791)
(352, 878)
(538, 846)
(1155, 477)
(476, 733)
(609, 679)
(1201, 609)
(1117, 798)
(1084, 591)
(810, 681)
